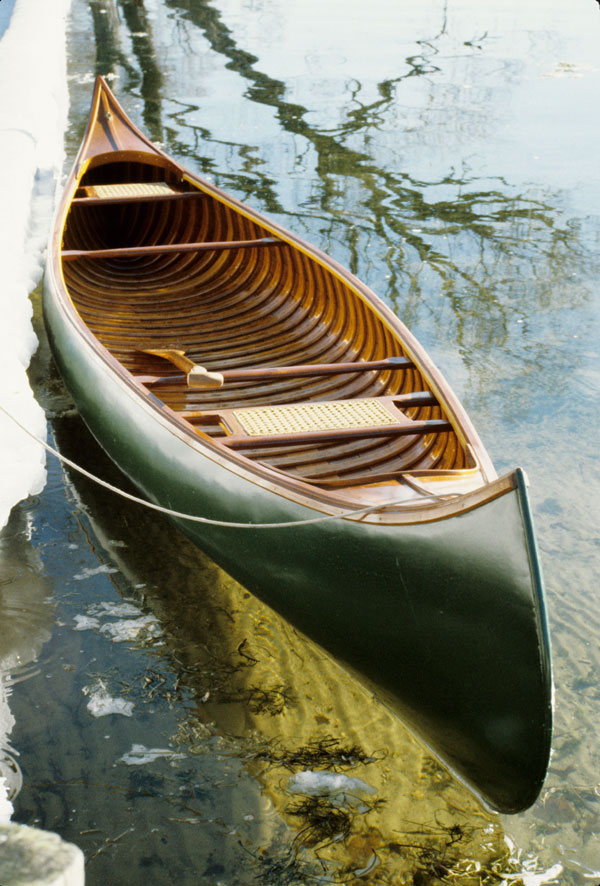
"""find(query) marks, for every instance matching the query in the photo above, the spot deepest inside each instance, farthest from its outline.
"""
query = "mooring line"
(193, 517)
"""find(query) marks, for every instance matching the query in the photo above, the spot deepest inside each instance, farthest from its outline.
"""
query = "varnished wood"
(280, 325)
(404, 401)
(280, 372)
(318, 422)
(165, 248)
(156, 198)
(241, 441)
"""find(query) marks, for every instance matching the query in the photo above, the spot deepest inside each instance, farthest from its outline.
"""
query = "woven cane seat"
(324, 416)
(131, 189)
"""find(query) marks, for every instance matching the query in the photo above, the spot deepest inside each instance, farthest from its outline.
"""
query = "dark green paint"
(445, 620)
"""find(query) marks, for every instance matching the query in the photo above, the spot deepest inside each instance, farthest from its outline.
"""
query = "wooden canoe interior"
(265, 304)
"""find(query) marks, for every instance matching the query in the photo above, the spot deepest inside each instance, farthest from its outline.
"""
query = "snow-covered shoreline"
(33, 115)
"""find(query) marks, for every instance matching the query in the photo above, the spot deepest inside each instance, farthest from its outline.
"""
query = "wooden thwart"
(241, 441)
(134, 192)
(164, 248)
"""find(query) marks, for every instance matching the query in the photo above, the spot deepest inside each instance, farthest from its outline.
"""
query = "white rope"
(170, 513)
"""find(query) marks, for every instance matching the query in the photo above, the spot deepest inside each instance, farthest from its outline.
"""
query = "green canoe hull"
(445, 620)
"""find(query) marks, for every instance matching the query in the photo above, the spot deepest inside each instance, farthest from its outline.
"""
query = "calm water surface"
(166, 721)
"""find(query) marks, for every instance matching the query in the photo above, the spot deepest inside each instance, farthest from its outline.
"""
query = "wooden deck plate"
(304, 417)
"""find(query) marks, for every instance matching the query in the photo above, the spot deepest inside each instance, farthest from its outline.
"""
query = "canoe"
(237, 374)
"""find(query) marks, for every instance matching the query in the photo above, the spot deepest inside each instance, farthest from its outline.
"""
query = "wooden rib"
(233, 310)
(199, 271)
(135, 291)
(351, 457)
(227, 231)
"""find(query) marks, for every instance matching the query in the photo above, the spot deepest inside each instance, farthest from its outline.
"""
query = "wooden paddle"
(199, 377)
(196, 376)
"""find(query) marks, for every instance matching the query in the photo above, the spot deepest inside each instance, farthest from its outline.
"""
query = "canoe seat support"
(133, 192)
(318, 422)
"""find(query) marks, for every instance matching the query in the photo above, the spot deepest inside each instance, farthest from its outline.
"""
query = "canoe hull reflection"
(435, 598)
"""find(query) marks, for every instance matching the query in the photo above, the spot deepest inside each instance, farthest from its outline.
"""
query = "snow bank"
(33, 115)
(7, 721)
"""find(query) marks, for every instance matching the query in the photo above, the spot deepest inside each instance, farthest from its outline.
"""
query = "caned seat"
(131, 189)
(318, 421)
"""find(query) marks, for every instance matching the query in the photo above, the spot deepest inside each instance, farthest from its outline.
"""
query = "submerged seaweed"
(322, 753)
(323, 821)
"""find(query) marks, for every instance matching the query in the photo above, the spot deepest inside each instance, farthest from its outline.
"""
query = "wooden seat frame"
(237, 437)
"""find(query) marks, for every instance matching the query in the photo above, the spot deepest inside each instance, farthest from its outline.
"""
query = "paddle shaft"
(301, 371)
(314, 369)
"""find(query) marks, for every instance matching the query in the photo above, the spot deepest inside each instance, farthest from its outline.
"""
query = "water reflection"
(194, 732)
(26, 616)
(264, 738)
(453, 247)
(114, 28)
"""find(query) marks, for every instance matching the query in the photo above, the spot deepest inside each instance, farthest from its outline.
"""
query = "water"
(446, 153)
(5, 14)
